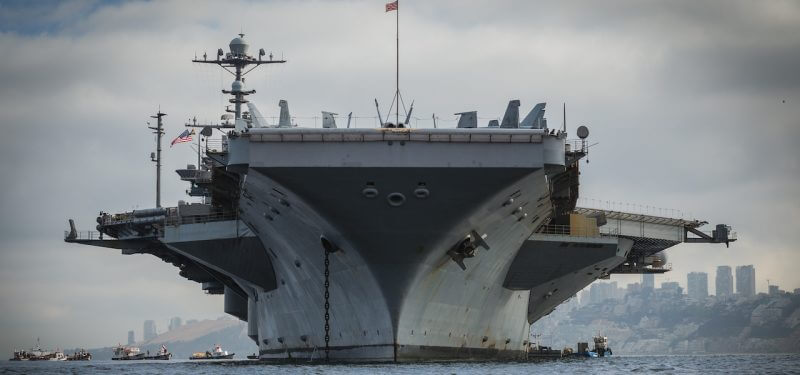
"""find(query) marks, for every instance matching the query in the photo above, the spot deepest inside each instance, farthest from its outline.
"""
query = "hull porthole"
(396, 199)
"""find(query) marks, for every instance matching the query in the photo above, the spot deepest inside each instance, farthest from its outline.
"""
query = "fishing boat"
(80, 355)
(127, 353)
(162, 355)
(216, 353)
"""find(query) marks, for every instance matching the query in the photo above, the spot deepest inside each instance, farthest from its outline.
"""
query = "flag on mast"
(391, 6)
(186, 136)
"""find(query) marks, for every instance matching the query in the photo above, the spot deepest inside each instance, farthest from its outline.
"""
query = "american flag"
(186, 136)
(391, 6)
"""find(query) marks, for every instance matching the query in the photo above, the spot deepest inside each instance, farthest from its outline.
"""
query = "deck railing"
(85, 235)
(217, 145)
(199, 219)
(577, 231)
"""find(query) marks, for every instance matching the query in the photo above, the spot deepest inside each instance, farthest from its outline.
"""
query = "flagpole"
(198, 149)
(397, 66)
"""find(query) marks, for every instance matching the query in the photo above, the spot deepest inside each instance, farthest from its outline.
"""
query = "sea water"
(671, 364)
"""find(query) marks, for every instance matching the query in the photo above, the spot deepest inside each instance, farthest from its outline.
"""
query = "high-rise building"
(773, 290)
(746, 281)
(600, 292)
(671, 287)
(131, 338)
(697, 285)
(648, 281)
(584, 300)
(149, 330)
(724, 282)
(174, 323)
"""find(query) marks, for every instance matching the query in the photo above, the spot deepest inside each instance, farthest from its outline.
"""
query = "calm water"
(699, 364)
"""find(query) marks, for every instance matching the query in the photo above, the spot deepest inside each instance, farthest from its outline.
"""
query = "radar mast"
(238, 60)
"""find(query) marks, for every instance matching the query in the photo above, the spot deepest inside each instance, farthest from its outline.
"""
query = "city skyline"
(602, 289)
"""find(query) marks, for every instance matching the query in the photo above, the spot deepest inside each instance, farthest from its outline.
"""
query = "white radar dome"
(238, 46)
(237, 86)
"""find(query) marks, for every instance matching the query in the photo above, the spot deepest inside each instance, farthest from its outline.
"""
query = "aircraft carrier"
(389, 243)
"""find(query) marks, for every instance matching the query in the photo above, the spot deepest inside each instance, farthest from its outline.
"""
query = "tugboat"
(162, 355)
(80, 355)
(217, 353)
(127, 353)
(601, 348)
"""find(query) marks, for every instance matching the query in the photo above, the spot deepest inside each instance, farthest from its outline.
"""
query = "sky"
(694, 106)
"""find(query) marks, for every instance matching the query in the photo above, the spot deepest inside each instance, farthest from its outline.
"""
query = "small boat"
(49, 356)
(601, 348)
(539, 351)
(162, 355)
(127, 353)
(216, 353)
(252, 356)
(34, 354)
(80, 355)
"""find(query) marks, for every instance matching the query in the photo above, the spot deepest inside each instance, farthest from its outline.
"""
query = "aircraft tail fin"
(285, 120)
(511, 118)
(328, 121)
(468, 119)
(535, 118)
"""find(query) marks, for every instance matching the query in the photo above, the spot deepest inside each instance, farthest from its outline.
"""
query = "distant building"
(600, 292)
(774, 290)
(584, 300)
(633, 288)
(796, 290)
(149, 330)
(648, 281)
(175, 323)
(697, 285)
(724, 281)
(672, 287)
(746, 281)
(131, 338)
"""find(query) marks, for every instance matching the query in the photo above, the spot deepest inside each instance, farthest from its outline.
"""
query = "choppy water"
(695, 364)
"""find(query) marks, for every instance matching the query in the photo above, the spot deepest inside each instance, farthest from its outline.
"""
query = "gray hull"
(395, 294)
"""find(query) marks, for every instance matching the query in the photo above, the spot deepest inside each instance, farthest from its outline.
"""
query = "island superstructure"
(390, 243)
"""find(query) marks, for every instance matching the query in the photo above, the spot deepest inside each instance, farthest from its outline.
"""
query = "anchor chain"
(327, 304)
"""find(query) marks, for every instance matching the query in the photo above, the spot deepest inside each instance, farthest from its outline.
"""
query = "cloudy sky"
(695, 106)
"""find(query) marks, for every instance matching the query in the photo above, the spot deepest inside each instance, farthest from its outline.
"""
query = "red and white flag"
(391, 6)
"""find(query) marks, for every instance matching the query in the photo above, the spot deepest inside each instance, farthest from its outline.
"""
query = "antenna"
(158, 131)
(565, 117)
